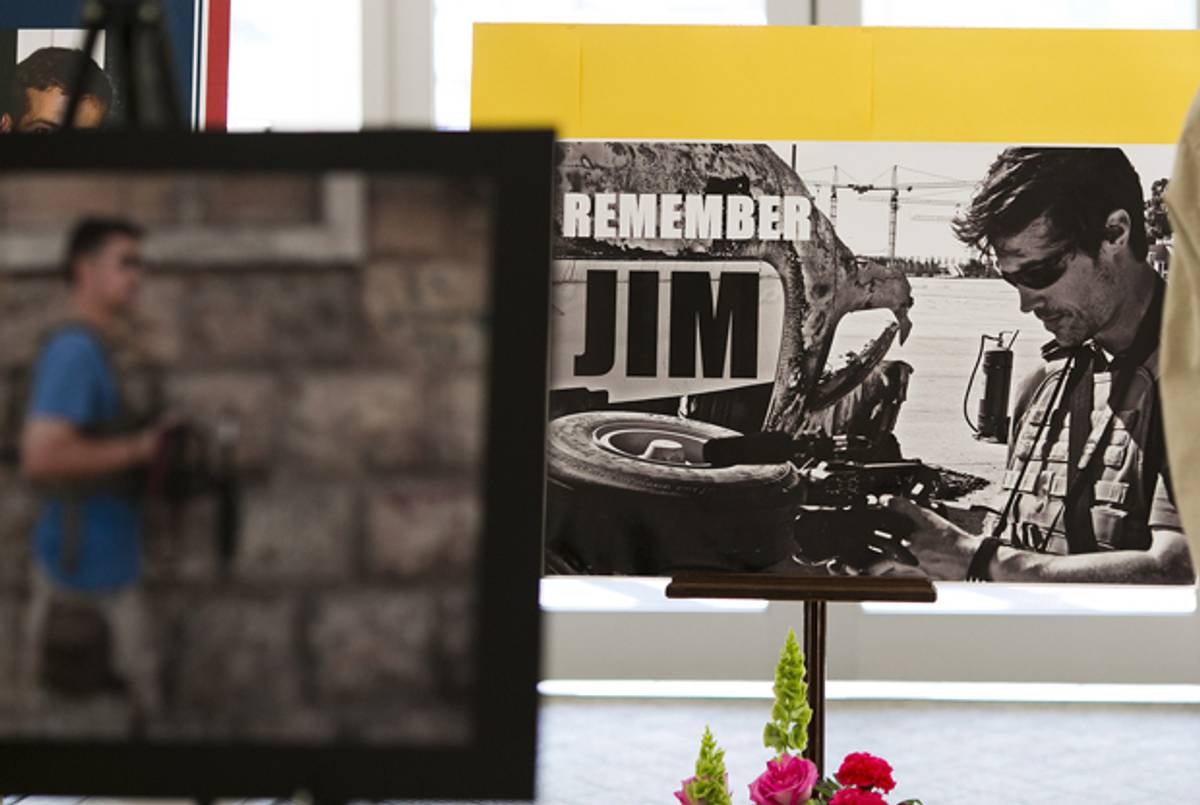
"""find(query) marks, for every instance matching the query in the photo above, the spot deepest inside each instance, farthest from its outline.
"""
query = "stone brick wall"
(340, 322)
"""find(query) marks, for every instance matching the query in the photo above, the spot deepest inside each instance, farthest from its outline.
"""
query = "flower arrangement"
(789, 778)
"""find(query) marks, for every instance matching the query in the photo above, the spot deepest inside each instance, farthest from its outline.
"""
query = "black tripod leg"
(140, 56)
(127, 51)
(95, 20)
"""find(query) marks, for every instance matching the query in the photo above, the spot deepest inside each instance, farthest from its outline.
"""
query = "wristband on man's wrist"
(978, 569)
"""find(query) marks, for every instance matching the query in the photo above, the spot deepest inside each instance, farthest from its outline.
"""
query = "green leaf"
(827, 787)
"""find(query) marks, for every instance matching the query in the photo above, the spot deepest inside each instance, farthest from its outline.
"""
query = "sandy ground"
(948, 316)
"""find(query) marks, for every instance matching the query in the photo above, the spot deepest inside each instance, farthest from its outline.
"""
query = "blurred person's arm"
(1179, 357)
(54, 450)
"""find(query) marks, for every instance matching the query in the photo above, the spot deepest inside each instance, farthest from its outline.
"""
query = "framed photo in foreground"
(270, 474)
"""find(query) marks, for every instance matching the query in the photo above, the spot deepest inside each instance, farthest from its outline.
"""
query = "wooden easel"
(816, 592)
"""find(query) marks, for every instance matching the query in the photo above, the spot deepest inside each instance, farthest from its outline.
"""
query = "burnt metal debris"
(822, 279)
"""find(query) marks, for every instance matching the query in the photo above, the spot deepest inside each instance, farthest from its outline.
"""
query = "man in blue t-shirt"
(87, 538)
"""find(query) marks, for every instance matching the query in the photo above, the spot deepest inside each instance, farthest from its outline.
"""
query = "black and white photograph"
(894, 359)
(242, 453)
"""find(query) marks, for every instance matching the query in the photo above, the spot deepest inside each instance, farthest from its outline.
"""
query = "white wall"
(296, 65)
(1082, 647)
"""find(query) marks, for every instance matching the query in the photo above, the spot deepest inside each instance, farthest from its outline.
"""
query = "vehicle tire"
(629, 493)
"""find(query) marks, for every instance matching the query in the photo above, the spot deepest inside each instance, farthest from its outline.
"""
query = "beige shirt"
(1179, 359)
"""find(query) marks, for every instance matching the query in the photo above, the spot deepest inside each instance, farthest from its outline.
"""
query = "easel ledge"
(785, 587)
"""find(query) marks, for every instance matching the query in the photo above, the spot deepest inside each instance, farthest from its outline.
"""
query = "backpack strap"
(1060, 364)
(1081, 537)
(16, 387)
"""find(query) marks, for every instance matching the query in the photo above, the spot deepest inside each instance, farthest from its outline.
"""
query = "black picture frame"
(499, 762)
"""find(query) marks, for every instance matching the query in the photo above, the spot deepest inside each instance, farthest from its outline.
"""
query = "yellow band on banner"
(779, 83)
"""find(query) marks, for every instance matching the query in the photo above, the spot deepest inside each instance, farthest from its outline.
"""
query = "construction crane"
(894, 203)
(893, 199)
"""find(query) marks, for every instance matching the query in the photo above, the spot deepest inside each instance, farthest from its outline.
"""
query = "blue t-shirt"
(73, 381)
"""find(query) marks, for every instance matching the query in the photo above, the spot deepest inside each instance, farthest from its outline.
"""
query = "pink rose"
(682, 794)
(862, 770)
(856, 796)
(787, 781)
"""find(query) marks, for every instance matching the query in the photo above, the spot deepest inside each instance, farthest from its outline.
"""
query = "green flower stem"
(788, 728)
(710, 786)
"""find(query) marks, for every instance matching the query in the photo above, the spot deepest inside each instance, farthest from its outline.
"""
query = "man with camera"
(1086, 496)
(81, 446)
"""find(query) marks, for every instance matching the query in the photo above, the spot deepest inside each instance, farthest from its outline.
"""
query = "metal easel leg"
(815, 625)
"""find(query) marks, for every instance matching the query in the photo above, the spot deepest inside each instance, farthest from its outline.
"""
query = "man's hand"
(943, 549)
(144, 446)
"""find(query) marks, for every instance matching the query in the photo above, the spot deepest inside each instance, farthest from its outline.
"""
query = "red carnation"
(856, 796)
(862, 770)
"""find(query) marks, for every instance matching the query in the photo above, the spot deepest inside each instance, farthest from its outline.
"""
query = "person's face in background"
(111, 276)
(45, 110)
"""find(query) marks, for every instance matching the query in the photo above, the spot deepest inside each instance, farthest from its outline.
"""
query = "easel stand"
(816, 592)
(138, 40)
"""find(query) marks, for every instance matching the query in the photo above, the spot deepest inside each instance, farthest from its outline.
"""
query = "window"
(295, 64)
(453, 19)
(1146, 14)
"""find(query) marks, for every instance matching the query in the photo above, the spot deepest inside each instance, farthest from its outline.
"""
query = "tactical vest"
(1123, 486)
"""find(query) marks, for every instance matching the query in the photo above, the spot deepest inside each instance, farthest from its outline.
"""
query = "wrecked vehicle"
(692, 308)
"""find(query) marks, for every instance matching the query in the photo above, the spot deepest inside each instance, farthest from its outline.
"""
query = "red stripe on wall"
(216, 98)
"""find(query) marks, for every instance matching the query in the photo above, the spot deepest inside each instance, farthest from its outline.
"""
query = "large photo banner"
(40, 43)
(849, 355)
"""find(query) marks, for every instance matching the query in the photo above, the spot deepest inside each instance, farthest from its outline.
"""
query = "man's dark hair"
(1075, 188)
(90, 234)
(47, 68)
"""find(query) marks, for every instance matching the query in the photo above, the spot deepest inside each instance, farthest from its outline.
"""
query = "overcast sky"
(921, 229)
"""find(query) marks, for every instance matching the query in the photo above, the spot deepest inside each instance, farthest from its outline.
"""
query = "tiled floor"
(628, 752)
